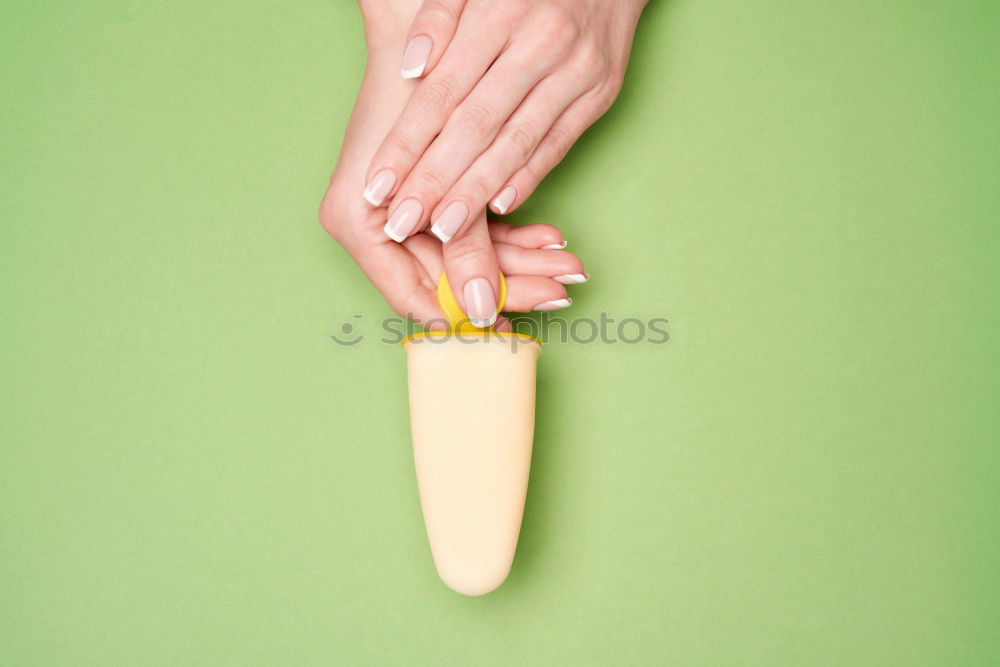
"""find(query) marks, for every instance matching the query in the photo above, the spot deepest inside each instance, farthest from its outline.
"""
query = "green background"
(192, 472)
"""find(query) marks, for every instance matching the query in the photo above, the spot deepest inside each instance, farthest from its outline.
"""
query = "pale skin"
(507, 88)
(407, 273)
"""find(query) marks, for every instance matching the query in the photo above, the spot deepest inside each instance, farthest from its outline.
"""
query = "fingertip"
(538, 235)
(572, 278)
(451, 221)
(393, 234)
(415, 57)
(504, 201)
(524, 293)
(403, 221)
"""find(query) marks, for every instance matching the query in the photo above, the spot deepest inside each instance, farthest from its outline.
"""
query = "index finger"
(466, 60)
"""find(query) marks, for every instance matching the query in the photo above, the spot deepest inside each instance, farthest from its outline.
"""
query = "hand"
(407, 274)
(511, 86)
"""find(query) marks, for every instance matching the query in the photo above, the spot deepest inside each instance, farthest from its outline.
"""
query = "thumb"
(473, 271)
(429, 36)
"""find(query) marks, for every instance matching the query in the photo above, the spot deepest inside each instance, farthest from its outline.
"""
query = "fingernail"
(504, 200)
(480, 304)
(450, 221)
(415, 56)
(572, 278)
(554, 305)
(403, 220)
(555, 246)
(380, 186)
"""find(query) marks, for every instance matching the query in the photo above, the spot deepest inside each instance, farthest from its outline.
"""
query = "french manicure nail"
(380, 186)
(403, 220)
(480, 304)
(572, 278)
(450, 221)
(415, 56)
(555, 246)
(503, 201)
(554, 305)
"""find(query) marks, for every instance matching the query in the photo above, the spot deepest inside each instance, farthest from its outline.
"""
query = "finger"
(526, 293)
(429, 35)
(563, 267)
(538, 235)
(467, 58)
(406, 286)
(513, 146)
(580, 115)
(464, 137)
(474, 273)
(427, 250)
(512, 240)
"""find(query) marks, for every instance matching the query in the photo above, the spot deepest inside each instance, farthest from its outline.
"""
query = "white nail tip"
(555, 246)
(554, 305)
(398, 238)
(370, 199)
(436, 230)
(501, 209)
(482, 324)
(572, 278)
(412, 73)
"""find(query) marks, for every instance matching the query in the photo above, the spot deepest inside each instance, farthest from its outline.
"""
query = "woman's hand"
(509, 88)
(407, 274)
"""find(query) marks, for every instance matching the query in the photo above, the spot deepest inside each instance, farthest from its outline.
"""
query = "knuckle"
(522, 139)
(477, 120)
(556, 22)
(401, 142)
(615, 80)
(606, 94)
(439, 93)
(435, 11)
(590, 62)
(558, 141)
(466, 251)
(533, 174)
(557, 29)
(473, 186)
(427, 180)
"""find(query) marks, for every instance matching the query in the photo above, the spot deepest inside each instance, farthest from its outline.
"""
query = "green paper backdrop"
(193, 472)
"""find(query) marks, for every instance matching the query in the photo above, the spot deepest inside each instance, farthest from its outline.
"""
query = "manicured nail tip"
(572, 278)
(554, 305)
(412, 73)
(436, 230)
(555, 246)
(415, 57)
(398, 238)
(482, 324)
(378, 188)
(505, 199)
